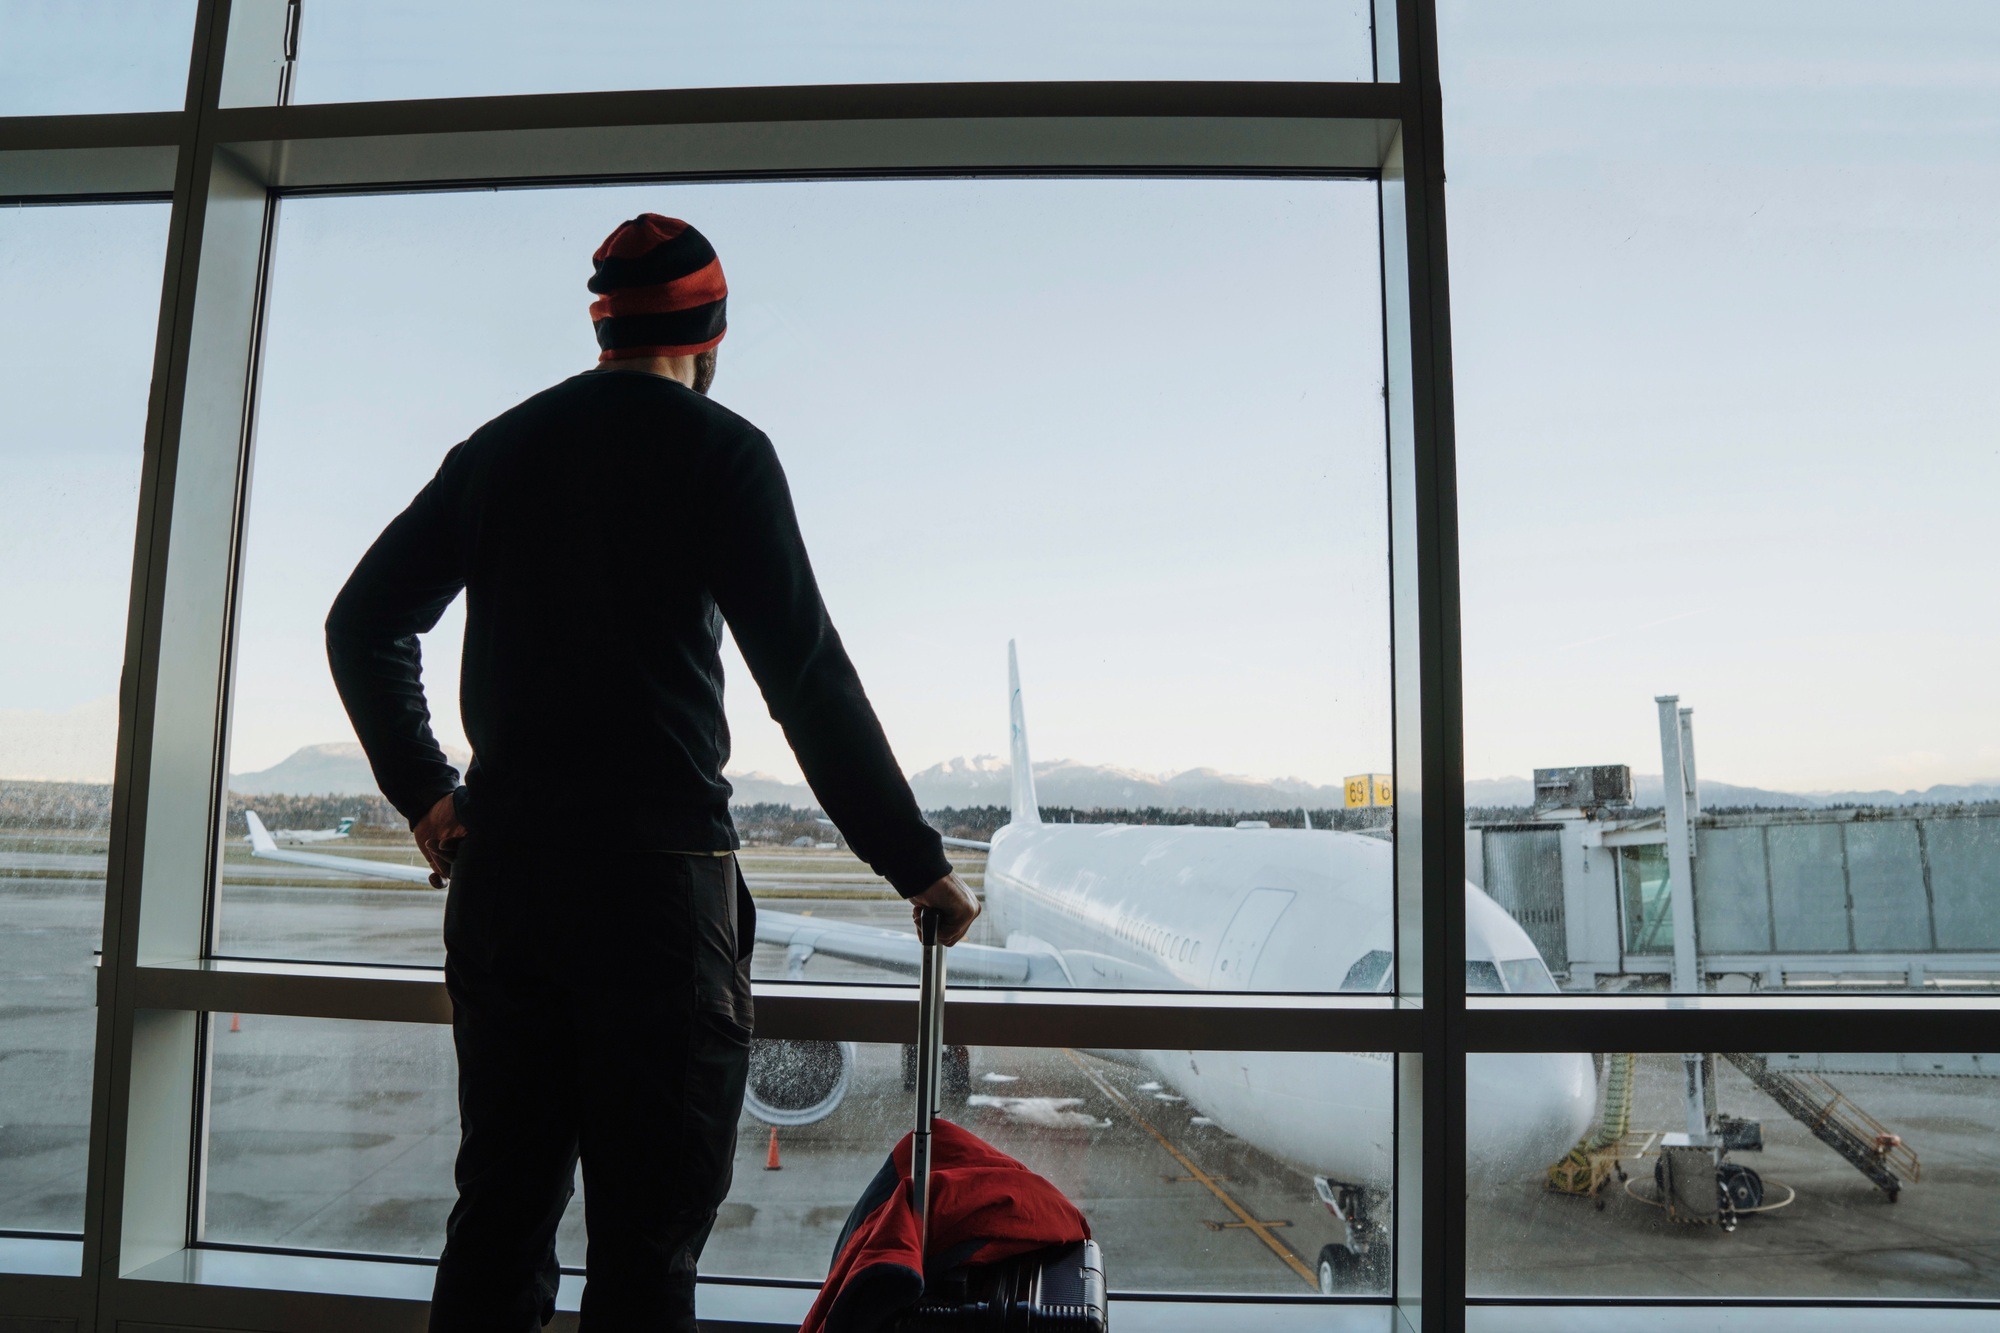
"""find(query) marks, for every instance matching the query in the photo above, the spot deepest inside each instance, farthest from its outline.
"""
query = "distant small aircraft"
(265, 844)
(302, 835)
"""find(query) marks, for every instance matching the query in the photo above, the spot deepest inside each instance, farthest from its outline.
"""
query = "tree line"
(86, 806)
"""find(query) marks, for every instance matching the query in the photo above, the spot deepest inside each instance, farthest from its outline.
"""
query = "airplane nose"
(1523, 1111)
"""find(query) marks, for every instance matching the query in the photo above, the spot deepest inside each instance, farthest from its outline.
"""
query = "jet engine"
(797, 1082)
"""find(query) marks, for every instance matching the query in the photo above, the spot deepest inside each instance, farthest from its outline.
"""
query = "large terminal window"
(1723, 335)
(1132, 428)
(1338, 977)
(79, 287)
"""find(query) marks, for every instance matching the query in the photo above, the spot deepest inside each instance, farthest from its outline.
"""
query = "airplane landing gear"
(1361, 1262)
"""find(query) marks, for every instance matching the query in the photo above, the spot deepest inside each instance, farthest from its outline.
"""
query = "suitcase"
(1057, 1290)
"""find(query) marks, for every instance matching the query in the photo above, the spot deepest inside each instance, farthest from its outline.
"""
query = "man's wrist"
(913, 881)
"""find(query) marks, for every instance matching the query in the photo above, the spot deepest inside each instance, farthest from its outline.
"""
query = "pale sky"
(1135, 425)
(1723, 281)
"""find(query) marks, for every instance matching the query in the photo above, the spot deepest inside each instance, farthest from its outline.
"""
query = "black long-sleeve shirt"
(603, 531)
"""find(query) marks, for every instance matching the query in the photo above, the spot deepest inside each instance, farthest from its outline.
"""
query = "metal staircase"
(1864, 1141)
(1594, 1159)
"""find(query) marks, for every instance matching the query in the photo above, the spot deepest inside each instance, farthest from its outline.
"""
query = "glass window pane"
(78, 57)
(340, 1136)
(1648, 911)
(359, 50)
(1723, 337)
(1037, 411)
(1845, 1177)
(76, 358)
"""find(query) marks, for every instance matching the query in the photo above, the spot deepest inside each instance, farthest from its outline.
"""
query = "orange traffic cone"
(236, 1022)
(771, 1153)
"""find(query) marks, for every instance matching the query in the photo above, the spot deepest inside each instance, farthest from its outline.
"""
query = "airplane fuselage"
(1149, 907)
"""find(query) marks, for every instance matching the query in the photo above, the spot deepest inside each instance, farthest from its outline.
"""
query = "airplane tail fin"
(345, 825)
(260, 837)
(1025, 809)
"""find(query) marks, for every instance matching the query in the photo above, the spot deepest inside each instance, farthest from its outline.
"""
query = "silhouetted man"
(598, 931)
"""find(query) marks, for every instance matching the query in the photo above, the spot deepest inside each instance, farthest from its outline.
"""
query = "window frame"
(234, 149)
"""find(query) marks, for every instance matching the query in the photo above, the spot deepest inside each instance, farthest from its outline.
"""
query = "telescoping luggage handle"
(930, 1065)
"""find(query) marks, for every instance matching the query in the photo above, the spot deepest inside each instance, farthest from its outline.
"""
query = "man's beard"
(704, 370)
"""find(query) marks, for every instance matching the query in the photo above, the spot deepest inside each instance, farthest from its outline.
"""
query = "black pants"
(600, 1011)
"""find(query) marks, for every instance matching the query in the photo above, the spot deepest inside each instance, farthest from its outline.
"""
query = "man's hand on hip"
(957, 909)
(438, 834)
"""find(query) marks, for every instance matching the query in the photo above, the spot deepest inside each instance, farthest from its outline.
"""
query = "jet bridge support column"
(1678, 790)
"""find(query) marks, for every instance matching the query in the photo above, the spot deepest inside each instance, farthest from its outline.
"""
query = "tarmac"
(339, 1136)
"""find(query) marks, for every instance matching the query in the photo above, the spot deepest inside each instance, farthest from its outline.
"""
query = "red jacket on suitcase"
(985, 1207)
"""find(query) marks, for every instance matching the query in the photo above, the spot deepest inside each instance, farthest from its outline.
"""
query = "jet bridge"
(1885, 896)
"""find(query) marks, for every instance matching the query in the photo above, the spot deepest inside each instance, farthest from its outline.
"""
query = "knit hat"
(659, 290)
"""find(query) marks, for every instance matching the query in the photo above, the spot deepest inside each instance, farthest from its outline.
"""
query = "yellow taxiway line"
(1249, 1222)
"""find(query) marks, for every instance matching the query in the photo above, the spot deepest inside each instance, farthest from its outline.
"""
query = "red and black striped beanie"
(659, 290)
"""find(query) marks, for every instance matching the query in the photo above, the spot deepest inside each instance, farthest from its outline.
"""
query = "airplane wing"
(898, 951)
(263, 845)
(974, 843)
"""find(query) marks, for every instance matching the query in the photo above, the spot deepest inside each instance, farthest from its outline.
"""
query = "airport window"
(1816, 1150)
(363, 50)
(83, 57)
(1095, 526)
(1298, 574)
(1710, 358)
(1642, 871)
(339, 1137)
(79, 288)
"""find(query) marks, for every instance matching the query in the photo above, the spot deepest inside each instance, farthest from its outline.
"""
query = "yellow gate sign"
(1370, 789)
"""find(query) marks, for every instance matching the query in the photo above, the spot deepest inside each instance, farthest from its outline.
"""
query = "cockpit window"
(1369, 971)
(1482, 978)
(1527, 976)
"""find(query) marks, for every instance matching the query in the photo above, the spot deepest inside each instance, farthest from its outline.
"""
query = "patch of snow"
(1042, 1112)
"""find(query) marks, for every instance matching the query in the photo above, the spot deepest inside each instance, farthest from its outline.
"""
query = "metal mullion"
(1857, 1024)
(1425, 535)
(166, 780)
(111, 1077)
(101, 158)
(836, 1012)
(120, 129)
(788, 149)
(963, 101)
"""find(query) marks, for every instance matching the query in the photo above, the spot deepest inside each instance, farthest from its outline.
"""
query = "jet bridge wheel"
(1738, 1190)
(1742, 1189)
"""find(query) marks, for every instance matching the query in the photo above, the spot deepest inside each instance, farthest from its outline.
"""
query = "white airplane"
(1182, 908)
(264, 843)
(307, 835)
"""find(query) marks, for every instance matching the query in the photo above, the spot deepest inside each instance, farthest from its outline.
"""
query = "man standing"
(598, 931)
